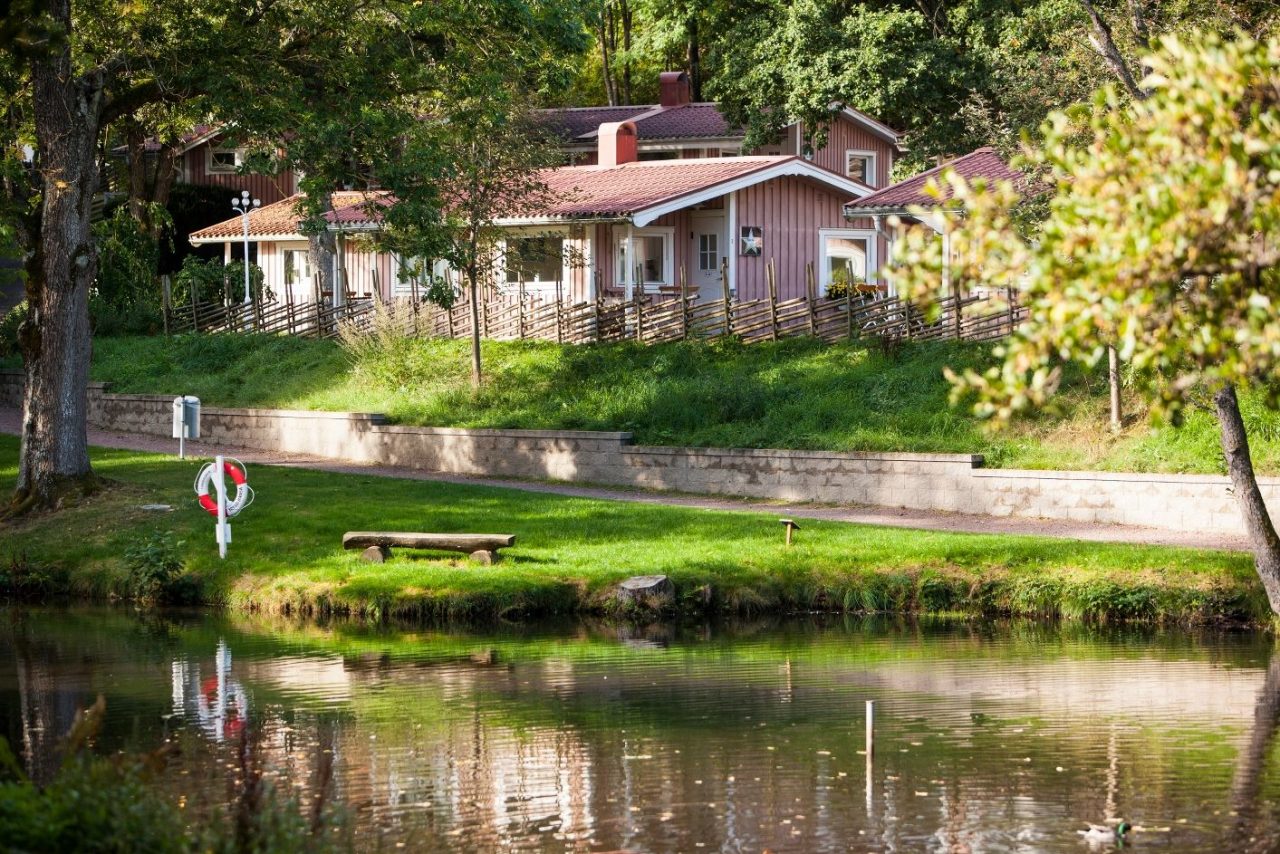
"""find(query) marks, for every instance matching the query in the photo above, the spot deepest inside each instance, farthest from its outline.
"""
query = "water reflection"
(743, 738)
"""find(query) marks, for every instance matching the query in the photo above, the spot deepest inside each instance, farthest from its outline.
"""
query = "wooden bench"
(483, 548)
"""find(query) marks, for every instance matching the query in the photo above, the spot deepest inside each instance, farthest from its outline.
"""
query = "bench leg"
(485, 557)
(376, 554)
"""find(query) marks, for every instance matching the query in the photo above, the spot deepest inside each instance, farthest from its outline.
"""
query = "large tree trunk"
(321, 250)
(695, 59)
(55, 338)
(1257, 521)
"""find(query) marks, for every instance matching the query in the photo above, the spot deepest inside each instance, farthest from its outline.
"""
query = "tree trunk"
(1113, 380)
(55, 338)
(606, 56)
(1247, 832)
(321, 250)
(625, 11)
(1262, 533)
(695, 60)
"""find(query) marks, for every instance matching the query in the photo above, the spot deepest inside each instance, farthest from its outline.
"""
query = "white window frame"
(873, 165)
(873, 259)
(214, 168)
(629, 233)
(566, 266)
(716, 254)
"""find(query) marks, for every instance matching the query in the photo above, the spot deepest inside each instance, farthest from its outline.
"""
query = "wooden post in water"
(770, 273)
(728, 304)
(811, 294)
(871, 728)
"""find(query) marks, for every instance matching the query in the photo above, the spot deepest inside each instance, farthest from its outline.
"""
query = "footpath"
(863, 515)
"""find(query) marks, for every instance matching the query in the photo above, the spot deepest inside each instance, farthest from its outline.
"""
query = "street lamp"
(243, 205)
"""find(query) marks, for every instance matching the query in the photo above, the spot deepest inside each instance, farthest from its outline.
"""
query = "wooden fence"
(648, 318)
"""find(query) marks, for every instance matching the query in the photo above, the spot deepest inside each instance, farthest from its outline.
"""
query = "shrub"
(213, 281)
(21, 579)
(156, 571)
(9, 330)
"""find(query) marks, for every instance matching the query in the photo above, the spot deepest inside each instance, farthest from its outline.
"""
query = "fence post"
(1012, 311)
(166, 308)
(599, 304)
(413, 304)
(770, 273)
(559, 308)
(640, 313)
(520, 308)
(811, 295)
(195, 307)
(848, 309)
(728, 304)
(684, 305)
(959, 308)
(319, 295)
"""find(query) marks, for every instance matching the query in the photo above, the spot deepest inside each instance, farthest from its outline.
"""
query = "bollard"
(871, 726)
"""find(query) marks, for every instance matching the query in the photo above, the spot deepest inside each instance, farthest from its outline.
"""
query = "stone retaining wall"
(952, 482)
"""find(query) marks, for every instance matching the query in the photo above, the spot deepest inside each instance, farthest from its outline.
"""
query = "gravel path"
(898, 518)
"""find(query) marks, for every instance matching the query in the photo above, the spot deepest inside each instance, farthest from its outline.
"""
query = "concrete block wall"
(948, 482)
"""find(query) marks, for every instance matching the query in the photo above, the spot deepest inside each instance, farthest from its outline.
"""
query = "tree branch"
(1105, 44)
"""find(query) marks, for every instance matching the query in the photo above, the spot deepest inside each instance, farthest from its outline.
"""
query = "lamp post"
(243, 205)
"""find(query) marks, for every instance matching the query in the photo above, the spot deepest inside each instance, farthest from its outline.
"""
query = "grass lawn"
(792, 394)
(287, 557)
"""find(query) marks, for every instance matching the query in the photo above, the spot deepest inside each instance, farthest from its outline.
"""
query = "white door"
(708, 250)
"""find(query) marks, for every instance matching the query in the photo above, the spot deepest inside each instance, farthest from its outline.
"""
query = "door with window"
(707, 251)
(298, 285)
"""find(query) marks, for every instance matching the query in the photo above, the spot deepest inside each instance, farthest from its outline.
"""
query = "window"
(658, 155)
(225, 159)
(861, 166)
(651, 256)
(848, 257)
(297, 271)
(535, 259)
(708, 252)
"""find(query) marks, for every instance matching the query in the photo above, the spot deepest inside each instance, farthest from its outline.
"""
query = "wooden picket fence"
(647, 318)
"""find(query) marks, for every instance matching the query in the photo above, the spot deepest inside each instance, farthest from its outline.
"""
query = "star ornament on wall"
(752, 240)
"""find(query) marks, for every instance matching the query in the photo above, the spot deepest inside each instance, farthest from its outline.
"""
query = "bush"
(113, 805)
(126, 298)
(156, 571)
(213, 281)
(9, 330)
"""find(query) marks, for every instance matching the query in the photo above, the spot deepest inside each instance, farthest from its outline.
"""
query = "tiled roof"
(653, 121)
(280, 219)
(615, 191)
(984, 164)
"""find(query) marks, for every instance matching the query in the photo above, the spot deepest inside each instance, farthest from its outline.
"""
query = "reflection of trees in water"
(1254, 828)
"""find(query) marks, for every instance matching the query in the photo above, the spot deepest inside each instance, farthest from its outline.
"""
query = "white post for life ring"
(224, 527)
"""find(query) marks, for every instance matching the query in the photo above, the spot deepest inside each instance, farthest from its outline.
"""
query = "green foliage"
(213, 281)
(1160, 237)
(21, 579)
(126, 296)
(155, 566)
(107, 805)
(9, 330)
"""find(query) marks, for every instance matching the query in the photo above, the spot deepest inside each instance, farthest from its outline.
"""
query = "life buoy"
(204, 482)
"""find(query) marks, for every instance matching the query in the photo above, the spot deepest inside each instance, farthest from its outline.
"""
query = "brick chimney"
(617, 141)
(675, 88)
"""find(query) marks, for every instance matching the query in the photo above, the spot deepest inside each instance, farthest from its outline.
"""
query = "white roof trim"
(794, 167)
(253, 238)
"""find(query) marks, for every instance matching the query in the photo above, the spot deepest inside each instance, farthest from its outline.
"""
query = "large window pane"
(648, 259)
(846, 259)
(534, 259)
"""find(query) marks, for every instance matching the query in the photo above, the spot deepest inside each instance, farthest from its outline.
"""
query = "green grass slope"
(792, 394)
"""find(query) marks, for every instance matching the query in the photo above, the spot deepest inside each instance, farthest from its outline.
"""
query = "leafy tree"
(1162, 235)
(79, 66)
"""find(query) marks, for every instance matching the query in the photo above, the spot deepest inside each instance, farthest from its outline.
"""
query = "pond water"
(742, 737)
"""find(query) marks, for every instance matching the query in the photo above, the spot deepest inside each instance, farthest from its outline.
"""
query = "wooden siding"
(845, 135)
(268, 188)
(790, 211)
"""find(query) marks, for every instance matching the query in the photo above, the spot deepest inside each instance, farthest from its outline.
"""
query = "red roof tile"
(280, 219)
(983, 164)
(653, 121)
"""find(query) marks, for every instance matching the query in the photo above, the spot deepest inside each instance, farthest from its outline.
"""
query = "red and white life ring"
(204, 482)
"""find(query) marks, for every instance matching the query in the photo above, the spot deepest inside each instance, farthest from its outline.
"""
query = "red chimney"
(674, 86)
(617, 141)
